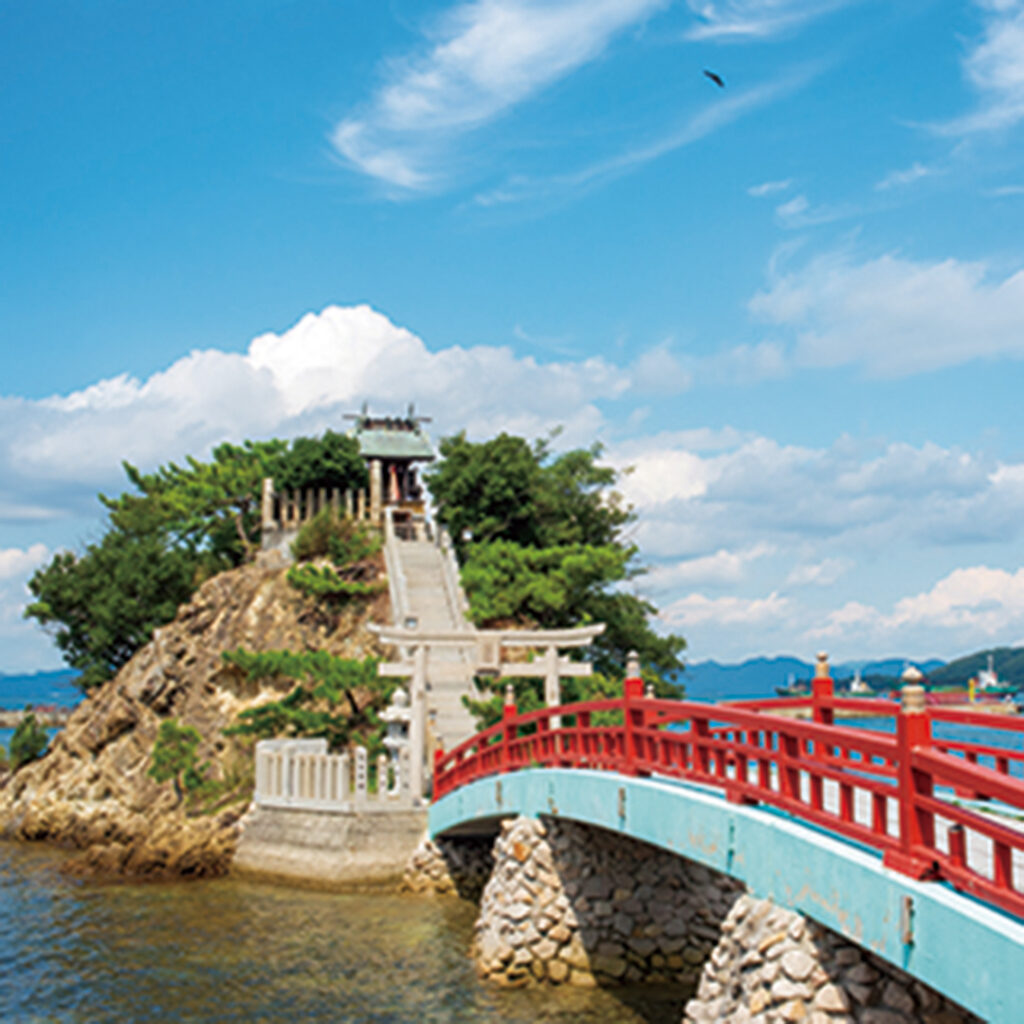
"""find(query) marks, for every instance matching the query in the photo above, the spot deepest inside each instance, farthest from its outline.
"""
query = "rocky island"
(93, 793)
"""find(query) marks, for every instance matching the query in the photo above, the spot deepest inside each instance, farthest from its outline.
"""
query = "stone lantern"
(397, 716)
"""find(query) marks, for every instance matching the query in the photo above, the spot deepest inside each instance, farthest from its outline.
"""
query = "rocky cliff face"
(92, 792)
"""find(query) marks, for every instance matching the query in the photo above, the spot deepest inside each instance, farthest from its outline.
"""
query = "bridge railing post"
(917, 825)
(508, 728)
(632, 714)
(822, 688)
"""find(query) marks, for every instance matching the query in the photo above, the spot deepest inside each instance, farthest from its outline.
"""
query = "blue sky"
(794, 306)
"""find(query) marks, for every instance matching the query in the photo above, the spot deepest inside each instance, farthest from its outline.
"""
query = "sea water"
(235, 950)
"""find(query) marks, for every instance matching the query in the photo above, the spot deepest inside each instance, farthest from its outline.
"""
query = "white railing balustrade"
(398, 589)
(301, 774)
(454, 595)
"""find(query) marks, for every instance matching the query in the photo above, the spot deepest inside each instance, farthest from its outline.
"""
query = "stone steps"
(449, 675)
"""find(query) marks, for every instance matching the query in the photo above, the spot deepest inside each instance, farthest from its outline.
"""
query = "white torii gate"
(486, 651)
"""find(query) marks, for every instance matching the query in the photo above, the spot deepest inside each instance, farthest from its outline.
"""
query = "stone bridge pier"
(562, 902)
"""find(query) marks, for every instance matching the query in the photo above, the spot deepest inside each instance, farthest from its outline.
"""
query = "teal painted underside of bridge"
(971, 953)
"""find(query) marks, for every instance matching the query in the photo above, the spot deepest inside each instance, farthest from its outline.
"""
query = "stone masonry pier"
(569, 903)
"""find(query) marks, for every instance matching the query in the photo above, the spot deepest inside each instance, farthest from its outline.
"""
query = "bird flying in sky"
(717, 79)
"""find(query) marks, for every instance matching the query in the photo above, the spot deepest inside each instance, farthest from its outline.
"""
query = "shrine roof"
(392, 438)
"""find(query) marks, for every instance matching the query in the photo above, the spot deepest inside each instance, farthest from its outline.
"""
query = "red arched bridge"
(908, 842)
(935, 809)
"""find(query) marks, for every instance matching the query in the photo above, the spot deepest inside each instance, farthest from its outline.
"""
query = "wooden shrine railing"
(901, 794)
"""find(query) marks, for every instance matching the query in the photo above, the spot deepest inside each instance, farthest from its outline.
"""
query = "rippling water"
(230, 950)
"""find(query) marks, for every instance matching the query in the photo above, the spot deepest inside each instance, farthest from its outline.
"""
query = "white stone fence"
(301, 774)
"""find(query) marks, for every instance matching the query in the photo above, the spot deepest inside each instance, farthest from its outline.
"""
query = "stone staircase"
(427, 589)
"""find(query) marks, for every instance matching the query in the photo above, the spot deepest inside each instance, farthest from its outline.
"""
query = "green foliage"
(336, 698)
(234, 787)
(349, 545)
(332, 460)
(541, 539)
(177, 527)
(204, 505)
(28, 742)
(103, 605)
(324, 583)
(329, 534)
(173, 757)
(507, 489)
(510, 583)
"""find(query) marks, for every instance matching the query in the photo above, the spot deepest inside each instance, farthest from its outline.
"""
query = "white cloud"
(489, 55)
(23, 647)
(754, 19)
(895, 316)
(1004, 191)
(721, 567)
(906, 176)
(57, 452)
(743, 365)
(696, 610)
(969, 607)
(821, 574)
(659, 370)
(793, 207)
(769, 188)
(17, 563)
(822, 509)
(994, 66)
(662, 476)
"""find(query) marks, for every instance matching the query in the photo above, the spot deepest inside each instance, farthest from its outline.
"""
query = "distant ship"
(794, 687)
(858, 687)
(984, 689)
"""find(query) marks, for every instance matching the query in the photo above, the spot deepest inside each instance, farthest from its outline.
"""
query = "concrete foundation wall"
(319, 847)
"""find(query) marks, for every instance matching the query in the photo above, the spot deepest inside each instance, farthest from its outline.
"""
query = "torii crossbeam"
(485, 646)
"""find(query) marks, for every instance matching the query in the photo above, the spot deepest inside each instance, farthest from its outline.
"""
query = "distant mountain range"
(758, 677)
(56, 687)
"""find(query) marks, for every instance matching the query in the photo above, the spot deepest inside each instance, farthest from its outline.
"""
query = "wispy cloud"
(754, 19)
(696, 610)
(799, 212)
(895, 316)
(994, 66)
(769, 188)
(1002, 191)
(694, 128)
(906, 176)
(819, 574)
(489, 55)
(793, 207)
(722, 567)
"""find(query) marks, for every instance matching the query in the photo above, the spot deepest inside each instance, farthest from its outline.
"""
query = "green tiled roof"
(394, 444)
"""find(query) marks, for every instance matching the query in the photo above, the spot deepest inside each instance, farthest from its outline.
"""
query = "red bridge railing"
(902, 794)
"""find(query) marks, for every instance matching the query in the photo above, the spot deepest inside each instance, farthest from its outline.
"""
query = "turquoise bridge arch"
(877, 837)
